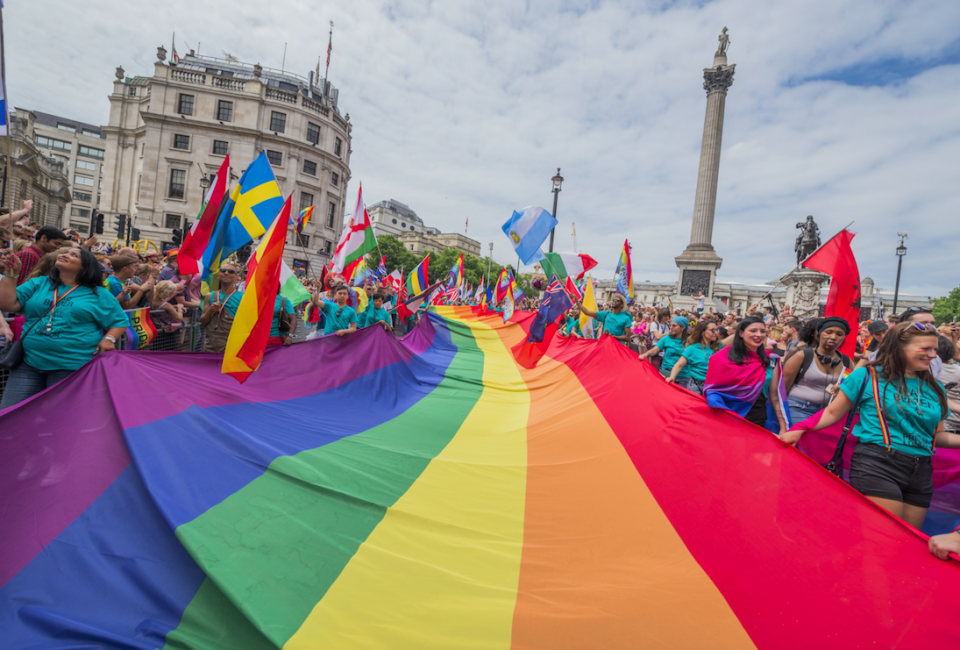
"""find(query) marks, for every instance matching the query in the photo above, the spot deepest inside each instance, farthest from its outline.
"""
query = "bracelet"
(110, 338)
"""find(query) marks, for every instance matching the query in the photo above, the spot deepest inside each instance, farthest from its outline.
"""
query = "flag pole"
(787, 274)
(326, 73)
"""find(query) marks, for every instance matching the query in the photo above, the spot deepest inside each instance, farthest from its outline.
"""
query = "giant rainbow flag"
(580, 504)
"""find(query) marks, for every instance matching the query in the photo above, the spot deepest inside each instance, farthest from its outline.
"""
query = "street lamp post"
(488, 261)
(901, 251)
(557, 182)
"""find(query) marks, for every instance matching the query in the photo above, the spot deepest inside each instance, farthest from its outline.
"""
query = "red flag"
(529, 354)
(195, 241)
(572, 289)
(835, 258)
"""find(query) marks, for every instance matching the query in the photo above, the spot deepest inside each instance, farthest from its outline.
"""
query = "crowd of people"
(902, 381)
(64, 298)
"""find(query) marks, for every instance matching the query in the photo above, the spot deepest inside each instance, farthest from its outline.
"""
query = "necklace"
(57, 299)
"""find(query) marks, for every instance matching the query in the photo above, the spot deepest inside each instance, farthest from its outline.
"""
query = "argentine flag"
(527, 230)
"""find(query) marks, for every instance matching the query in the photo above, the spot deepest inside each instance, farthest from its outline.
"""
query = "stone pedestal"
(698, 264)
(803, 292)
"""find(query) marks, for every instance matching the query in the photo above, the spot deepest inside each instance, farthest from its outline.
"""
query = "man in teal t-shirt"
(617, 321)
(341, 318)
(375, 313)
(912, 418)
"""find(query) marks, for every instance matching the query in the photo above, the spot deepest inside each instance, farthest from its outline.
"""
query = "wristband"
(110, 338)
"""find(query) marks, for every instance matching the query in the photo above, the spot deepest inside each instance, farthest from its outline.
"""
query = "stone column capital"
(718, 79)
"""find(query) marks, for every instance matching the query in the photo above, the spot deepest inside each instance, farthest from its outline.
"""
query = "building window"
(412, 228)
(278, 121)
(224, 111)
(337, 146)
(50, 143)
(403, 224)
(171, 221)
(67, 127)
(275, 158)
(82, 196)
(84, 228)
(181, 141)
(185, 106)
(178, 182)
(90, 152)
(80, 212)
(95, 134)
(313, 133)
(310, 167)
(82, 180)
(328, 247)
(334, 178)
(302, 240)
(306, 200)
(83, 164)
(220, 147)
(331, 211)
(394, 221)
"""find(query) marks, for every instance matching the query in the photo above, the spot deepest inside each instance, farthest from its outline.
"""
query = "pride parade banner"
(581, 504)
(141, 331)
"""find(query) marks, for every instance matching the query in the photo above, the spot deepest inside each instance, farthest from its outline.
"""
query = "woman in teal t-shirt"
(672, 346)
(617, 321)
(66, 313)
(703, 342)
(901, 421)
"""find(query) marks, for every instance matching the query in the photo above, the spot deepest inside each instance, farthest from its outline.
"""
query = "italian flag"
(357, 239)
(568, 265)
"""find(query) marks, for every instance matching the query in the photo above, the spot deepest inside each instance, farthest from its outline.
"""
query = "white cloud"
(466, 109)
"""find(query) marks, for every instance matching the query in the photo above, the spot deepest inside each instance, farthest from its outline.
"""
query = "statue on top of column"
(724, 43)
(808, 240)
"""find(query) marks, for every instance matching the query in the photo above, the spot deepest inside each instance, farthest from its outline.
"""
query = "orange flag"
(251, 326)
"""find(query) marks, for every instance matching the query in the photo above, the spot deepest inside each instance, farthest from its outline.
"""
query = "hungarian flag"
(357, 239)
(835, 258)
(195, 241)
(565, 265)
(251, 325)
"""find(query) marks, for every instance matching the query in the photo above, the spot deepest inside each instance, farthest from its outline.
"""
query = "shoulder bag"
(12, 353)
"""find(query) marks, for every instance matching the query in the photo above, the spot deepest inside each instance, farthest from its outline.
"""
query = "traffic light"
(121, 224)
(136, 234)
(177, 237)
(98, 223)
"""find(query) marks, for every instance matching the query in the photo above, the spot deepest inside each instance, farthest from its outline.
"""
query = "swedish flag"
(246, 214)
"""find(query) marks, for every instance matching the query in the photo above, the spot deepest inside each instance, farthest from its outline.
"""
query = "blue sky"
(846, 111)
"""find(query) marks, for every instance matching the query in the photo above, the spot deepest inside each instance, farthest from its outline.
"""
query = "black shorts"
(877, 472)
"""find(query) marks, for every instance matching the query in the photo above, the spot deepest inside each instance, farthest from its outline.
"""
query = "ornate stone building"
(34, 173)
(80, 147)
(398, 219)
(169, 132)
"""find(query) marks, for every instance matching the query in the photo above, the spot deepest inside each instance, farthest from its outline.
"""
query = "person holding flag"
(616, 322)
(341, 318)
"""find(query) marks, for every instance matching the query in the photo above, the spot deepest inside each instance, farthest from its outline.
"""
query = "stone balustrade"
(185, 76)
(229, 84)
(316, 107)
(281, 95)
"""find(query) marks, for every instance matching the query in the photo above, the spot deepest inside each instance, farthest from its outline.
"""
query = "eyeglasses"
(228, 271)
(915, 310)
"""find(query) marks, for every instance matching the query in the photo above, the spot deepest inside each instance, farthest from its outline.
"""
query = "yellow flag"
(590, 302)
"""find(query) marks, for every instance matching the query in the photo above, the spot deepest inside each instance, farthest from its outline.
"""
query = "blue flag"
(554, 304)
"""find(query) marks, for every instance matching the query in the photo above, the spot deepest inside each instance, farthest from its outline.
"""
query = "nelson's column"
(699, 262)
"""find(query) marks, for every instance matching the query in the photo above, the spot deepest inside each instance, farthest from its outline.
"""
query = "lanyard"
(57, 299)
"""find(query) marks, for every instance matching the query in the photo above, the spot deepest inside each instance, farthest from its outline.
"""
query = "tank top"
(813, 387)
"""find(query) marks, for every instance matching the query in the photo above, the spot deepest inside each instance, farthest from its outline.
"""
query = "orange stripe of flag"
(251, 326)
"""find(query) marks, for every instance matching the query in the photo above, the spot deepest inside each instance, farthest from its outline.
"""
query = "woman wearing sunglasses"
(902, 410)
(219, 308)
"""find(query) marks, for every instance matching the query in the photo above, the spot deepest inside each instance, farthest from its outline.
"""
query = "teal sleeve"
(109, 312)
(851, 385)
(352, 318)
(687, 353)
(26, 290)
(287, 306)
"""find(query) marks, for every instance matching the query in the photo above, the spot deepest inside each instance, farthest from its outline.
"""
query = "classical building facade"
(399, 220)
(81, 147)
(34, 174)
(168, 134)
(395, 218)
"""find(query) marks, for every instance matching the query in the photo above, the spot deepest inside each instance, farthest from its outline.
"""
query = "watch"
(112, 339)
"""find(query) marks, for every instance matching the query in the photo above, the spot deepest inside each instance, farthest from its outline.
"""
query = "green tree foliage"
(440, 263)
(947, 309)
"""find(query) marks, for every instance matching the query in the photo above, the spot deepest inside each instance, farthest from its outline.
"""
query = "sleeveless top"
(813, 387)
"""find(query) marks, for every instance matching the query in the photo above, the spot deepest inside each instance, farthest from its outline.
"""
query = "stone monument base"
(803, 292)
(698, 271)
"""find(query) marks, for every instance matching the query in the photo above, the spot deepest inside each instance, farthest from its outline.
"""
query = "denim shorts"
(891, 474)
(691, 384)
